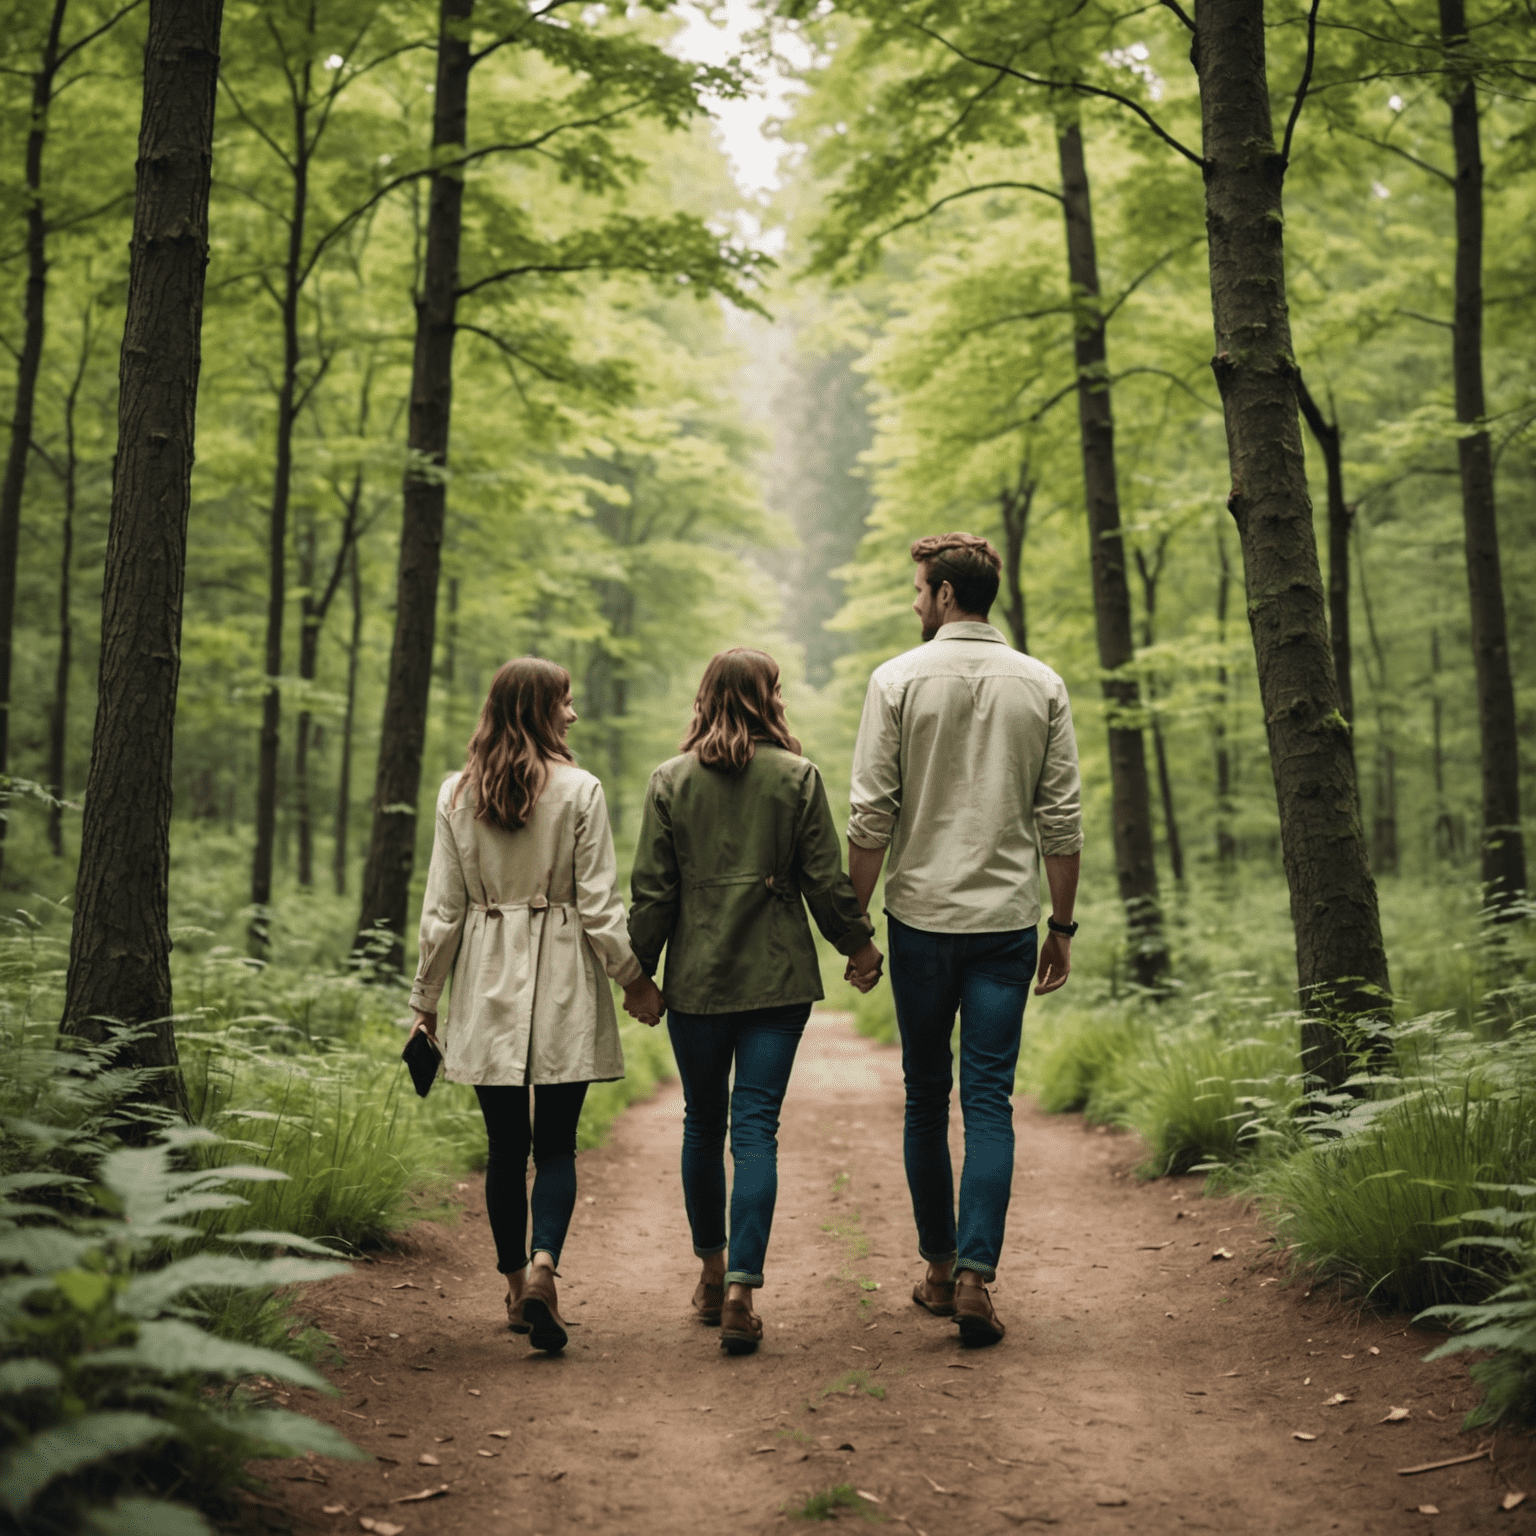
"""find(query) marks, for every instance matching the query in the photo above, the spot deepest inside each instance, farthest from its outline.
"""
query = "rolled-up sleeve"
(1058, 793)
(597, 890)
(654, 882)
(819, 869)
(443, 908)
(876, 784)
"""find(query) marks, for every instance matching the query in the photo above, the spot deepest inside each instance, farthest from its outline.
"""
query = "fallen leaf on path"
(1435, 1466)
(1167, 1314)
(1222, 1253)
(1006, 1462)
(442, 1439)
(873, 1499)
(1231, 1373)
(1022, 1517)
(1140, 1248)
(427, 1459)
(1429, 1509)
(1394, 1416)
(406, 1285)
(554, 1477)
(1512, 1500)
(934, 1485)
(390, 1459)
(487, 1453)
(860, 1348)
(351, 1415)
(1193, 1392)
(845, 1446)
(423, 1496)
(1336, 1400)
(473, 1391)
(500, 1434)
(1297, 1434)
(765, 1450)
(955, 1365)
(1373, 1350)
(380, 1527)
(333, 1509)
(1110, 1498)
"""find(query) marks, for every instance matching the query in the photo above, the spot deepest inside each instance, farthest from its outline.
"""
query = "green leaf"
(150, 1294)
(18, 1376)
(171, 1347)
(278, 1432)
(276, 1239)
(83, 1289)
(43, 1249)
(146, 1517)
(35, 1463)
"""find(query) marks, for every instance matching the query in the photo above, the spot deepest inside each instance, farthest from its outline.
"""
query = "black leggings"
(552, 1136)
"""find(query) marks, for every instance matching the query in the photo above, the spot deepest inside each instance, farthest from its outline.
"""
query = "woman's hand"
(643, 1001)
(865, 968)
(426, 1021)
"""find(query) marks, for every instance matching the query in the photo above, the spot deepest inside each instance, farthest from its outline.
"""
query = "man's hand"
(643, 1001)
(865, 968)
(1055, 963)
(426, 1021)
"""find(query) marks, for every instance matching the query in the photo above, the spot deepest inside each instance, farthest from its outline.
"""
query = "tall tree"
(54, 54)
(1503, 841)
(1330, 442)
(613, 79)
(1340, 958)
(119, 958)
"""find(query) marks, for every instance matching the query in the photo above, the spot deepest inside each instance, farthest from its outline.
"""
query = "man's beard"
(929, 631)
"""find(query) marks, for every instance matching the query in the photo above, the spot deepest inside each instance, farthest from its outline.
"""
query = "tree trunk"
(1340, 959)
(28, 363)
(1226, 844)
(397, 786)
(1130, 788)
(277, 530)
(119, 959)
(344, 781)
(1384, 856)
(1015, 505)
(1503, 841)
(1340, 516)
(1447, 841)
(452, 749)
(58, 714)
(1151, 572)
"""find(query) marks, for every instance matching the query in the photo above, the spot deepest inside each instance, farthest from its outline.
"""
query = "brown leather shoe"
(707, 1301)
(741, 1329)
(979, 1323)
(936, 1296)
(515, 1314)
(542, 1314)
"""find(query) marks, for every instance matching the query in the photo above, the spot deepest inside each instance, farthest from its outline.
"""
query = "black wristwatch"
(1066, 930)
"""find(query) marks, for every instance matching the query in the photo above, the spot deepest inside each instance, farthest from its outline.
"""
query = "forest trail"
(1144, 1386)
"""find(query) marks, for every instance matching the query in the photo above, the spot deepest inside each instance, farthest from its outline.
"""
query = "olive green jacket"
(723, 862)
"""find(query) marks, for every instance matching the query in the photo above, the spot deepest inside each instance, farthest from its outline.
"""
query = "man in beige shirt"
(966, 770)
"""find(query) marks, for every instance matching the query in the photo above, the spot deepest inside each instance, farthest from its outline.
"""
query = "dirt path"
(1144, 1385)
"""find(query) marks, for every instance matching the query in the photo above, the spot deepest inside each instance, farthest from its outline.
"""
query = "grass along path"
(1145, 1385)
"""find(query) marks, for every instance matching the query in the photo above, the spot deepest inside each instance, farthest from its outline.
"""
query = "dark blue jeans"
(509, 1136)
(986, 977)
(762, 1043)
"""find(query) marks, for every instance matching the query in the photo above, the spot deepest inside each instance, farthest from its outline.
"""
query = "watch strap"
(1066, 930)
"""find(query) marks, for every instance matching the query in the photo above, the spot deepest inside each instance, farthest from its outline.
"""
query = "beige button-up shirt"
(526, 923)
(966, 767)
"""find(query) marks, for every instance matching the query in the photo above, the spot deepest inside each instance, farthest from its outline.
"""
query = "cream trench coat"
(526, 923)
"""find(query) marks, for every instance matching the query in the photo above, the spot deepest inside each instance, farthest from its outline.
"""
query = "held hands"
(643, 1001)
(1055, 963)
(424, 1021)
(865, 968)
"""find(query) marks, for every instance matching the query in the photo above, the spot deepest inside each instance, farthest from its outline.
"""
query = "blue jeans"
(762, 1043)
(986, 977)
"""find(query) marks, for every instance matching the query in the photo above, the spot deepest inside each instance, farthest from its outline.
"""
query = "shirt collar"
(970, 630)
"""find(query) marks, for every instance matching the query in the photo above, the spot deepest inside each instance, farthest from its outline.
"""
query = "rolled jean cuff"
(938, 1258)
(986, 1271)
(516, 1269)
(741, 1277)
(708, 1253)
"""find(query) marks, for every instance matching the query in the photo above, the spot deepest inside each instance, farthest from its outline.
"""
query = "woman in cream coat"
(522, 912)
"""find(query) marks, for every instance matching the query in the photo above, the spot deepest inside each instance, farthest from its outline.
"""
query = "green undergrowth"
(830, 1503)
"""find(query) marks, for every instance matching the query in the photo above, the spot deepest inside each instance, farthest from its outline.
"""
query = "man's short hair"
(969, 564)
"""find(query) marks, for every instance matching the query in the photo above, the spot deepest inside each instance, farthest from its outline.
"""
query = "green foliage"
(116, 1387)
(844, 1499)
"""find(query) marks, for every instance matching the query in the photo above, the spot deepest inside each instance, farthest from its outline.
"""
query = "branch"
(1413, 314)
(989, 186)
(1141, 277)
(255, 127)
(510, 351)
(1423, 165)
(90, 37)
(1301, 89)
(538, 267)
(1080, 86)
(1172, 378)
(1173, 5)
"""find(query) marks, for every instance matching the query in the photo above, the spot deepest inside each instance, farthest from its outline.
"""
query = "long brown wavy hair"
(736, 707)
(517, 738)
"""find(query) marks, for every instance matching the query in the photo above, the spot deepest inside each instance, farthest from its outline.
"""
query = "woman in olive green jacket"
(737, 840)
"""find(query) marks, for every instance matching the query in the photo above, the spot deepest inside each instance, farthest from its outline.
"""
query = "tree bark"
(1226, 844)
(119, 960)
(349, 715)
(28, 364)
(1014, 505)
(1340, 515)
(397, 787)
(1503, 841)
(1130, 788)
(1340, 958)
(1150, 573)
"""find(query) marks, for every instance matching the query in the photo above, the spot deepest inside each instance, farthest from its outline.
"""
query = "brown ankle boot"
(707, 1300)
(741, 1329)
(979, 1323)
(542, 1313)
